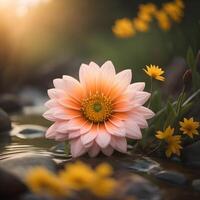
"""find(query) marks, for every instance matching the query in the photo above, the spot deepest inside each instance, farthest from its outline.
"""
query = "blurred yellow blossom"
(149, 8)
(77, 176)
(140, 25)
(173, 141)
(180, 3)
(123, 28)
(189, 127)
(104, 169)
(170, 11)
(155, 72)
(174, 11)
(42, 181)
(104, 185)
(163, 20)
(80, 176)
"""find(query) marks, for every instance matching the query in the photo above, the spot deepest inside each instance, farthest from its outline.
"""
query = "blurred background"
(43, 39)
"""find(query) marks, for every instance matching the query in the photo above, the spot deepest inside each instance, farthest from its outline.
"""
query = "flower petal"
(119, 143)
(103, 137)
(132, 130)
(114, 130)
(94, 150)
(90, 136)
(108, 151)
(77, 148)
(75, 123)
(74, 134)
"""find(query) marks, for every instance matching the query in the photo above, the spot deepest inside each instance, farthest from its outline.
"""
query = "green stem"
(151, 90)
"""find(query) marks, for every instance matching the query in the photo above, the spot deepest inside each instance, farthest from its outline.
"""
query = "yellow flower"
(163, 20)
(173, 141)
(104, 185)
(140, 25)
(104, 169)
(174, 11)
(180, 3)
(154, 72)
(173, 145)
(42, 181)
(189, 127)
(165, 134)
(149, 8)
(146, 17)
(123, 28)
(78, 176)
(146, 11)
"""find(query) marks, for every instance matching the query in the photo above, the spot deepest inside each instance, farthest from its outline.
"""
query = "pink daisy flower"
(98, 112)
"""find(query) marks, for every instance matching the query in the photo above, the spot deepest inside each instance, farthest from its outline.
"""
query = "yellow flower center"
(97, 108)
(189, 127)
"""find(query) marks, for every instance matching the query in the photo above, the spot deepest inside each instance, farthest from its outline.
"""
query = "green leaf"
(67, 148)
(171, 115)
(190, 58)
(156, 102)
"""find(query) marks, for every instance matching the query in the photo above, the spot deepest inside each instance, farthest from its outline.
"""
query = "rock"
(10, 186)
(22, 162)
(10, 103)
(191, 155)
(171, 177)
(140, 188)
(5, 122)
(60, 152)
(28, 131)
(196, 184)
(145, 164)
(30, 196)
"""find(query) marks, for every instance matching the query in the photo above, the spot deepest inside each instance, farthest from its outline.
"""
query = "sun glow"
(20, 7)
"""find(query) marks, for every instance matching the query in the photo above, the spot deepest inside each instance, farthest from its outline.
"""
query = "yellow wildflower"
(165, 134)
(146, 11)
(180, 3)
(149, 8)
(163, 20)
(189, 127)
(174, 11)
(173, 145)
(146, 17)
(173, 141)
(42, 181)
(154, 72)
(123, 28)
(104, 185)
(78, 176)
(140, 25)
(104, 169)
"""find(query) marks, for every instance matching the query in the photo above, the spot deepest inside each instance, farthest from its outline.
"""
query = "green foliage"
(192, 64)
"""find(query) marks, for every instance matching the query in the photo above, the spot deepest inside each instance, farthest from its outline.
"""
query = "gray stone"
(5, 122)
(196, 184)
(10, 186)
(28, 131)
(145, 164)
(191, 154)
(140, 188)
(21, 163)
(172, 177)
(30, 196)
(10, 103)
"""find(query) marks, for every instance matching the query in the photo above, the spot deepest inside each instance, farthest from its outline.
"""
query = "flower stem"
(151, 90)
